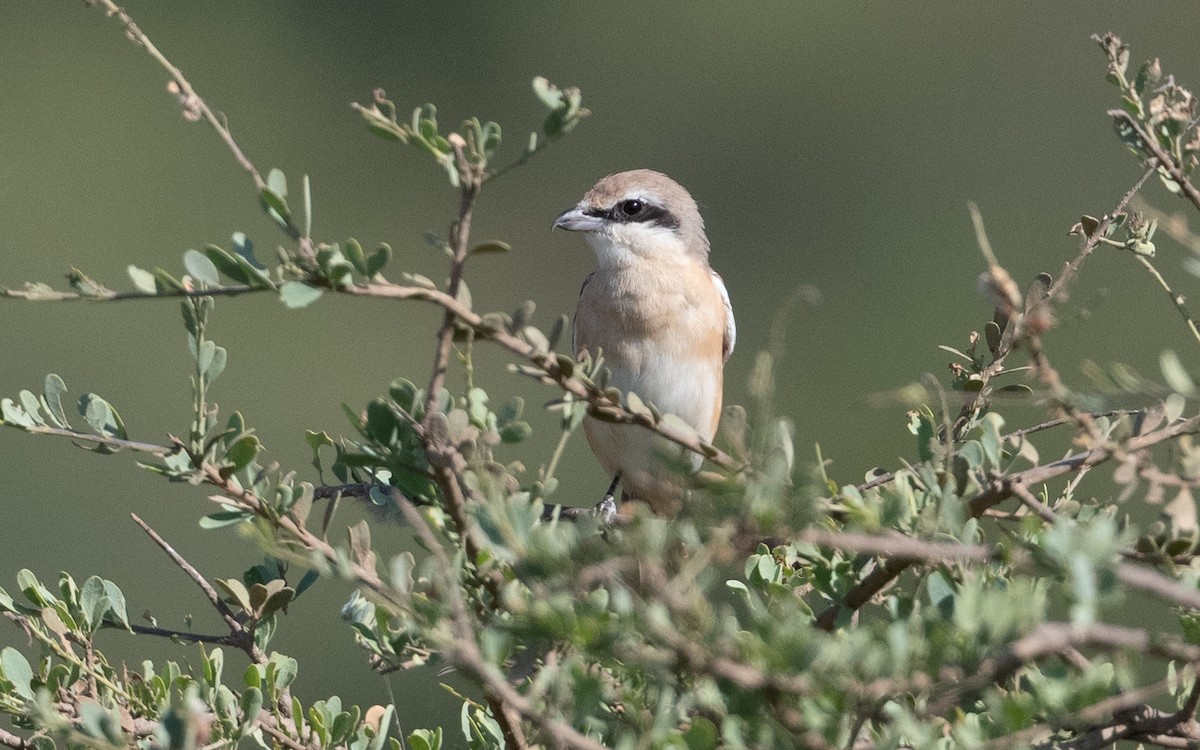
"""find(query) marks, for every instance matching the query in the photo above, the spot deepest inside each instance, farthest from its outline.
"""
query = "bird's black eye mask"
(633, 210)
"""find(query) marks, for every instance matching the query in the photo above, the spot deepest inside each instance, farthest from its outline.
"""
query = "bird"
(661, 318)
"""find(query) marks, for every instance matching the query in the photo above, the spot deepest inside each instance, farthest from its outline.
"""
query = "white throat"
(622, 245)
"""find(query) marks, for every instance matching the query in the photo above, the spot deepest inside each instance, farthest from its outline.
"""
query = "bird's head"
(641, 213)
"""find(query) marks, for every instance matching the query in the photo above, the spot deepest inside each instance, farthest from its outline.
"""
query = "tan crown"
(657, 188)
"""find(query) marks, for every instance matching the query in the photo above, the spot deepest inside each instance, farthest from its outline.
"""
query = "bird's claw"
(606, 510)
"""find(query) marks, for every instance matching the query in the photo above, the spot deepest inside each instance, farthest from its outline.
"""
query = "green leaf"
(353, 251)
(515, 432)
(634, 403)
(245, 250)
(991, 440)
(308, 209)
(216, 364)
(277, 599)
(241, 453)
(281, 671)
(235, 590)
(52, 392)
(97, 722)
(939, 590)
(701, 735)
(167, 283)
(93, 603)
(317, 441)
(16, 670)
(308, 579)
(224, 518)
(32, 406)
(343, 726)
(296, 294)
(117, 609)
(33, 589)
(1176, 374)
(15, 415)
(142, 280)
(477, 400)
(424, 739)
(277, 208)
(491, 246)
(511, 411)
(380, 258)
(277, 182)
(201, 268)
(226, 264)
(920, 423)
(204, 354)
(102, 417)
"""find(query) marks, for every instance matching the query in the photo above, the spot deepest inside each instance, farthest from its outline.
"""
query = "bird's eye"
(631, 207)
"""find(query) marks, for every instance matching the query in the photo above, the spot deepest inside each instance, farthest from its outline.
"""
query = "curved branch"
(998, 491)
(191, 101)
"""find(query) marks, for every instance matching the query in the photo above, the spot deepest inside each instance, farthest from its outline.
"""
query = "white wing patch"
(730, 326)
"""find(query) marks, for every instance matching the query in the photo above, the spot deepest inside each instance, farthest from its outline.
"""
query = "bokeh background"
(832, 147)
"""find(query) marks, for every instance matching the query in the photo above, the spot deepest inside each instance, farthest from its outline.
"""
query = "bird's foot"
(606, 510)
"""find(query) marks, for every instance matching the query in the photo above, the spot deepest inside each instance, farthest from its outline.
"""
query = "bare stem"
(187, 95)
(1177, 300)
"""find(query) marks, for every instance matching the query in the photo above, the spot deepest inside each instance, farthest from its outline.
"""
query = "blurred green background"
(830, 145)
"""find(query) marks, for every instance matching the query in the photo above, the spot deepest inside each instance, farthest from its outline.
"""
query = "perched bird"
(661, 317)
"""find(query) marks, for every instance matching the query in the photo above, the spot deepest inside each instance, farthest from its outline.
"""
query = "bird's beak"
(577, 220)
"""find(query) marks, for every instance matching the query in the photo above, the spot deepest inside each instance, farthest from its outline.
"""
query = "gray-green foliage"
(968, 599)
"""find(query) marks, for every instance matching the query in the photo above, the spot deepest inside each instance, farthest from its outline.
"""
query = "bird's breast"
(661, 333)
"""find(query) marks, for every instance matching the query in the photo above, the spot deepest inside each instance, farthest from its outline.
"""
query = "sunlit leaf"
(296, 294)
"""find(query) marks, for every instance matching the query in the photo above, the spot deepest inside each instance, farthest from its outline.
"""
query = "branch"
(998, 491)
(896, 546)
(238, 635)
(465, 654)
(108, 295)
(552, 369)
(1052, 638)
(194, 106)
(1178, 300)
(1058, 290)
(1161, 159)
(10, 740)
(184, 635)
(106, 440)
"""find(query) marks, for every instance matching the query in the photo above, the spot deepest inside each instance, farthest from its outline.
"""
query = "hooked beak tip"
(575, 220)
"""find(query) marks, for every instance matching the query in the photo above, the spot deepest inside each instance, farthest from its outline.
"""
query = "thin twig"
(1058, 289)
(1059, 421)
(187, 95)
(1051, 638)
(184, 635)
(1028, 499)
(235, 626)
(1178, 300)
(551, 372)
(1162, 160)
(464, 653)
(996, 492)
(105, 440)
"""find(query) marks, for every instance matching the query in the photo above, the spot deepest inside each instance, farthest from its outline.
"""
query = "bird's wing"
(730, 326)
(575, 318)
